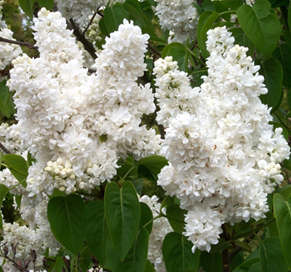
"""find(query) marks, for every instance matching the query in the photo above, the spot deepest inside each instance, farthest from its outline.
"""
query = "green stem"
(152, 220)
(128, 172)
(226, 12)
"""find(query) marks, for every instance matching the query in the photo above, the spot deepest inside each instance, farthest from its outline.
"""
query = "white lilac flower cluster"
(9, 138)
(36, 235)
(26, 238)
(8, 51)
(76, 125)
(178, 16)
(223, 154)
(161, 228)
(81, 10)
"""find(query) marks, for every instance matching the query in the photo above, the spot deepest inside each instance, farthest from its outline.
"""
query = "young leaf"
(65, 216)
(282, 210)
(179, 53)
(3, 191)
(136, 258)
(123, 215)
(261, 25)
(177, 254)
(176, 218)
(272, 71)
(27, 7)
(272, 258)
(6, 100)
(95, 229)
(18, 167)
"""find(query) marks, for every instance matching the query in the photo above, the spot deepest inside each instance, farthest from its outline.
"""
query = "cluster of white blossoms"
(8, 51)
(36, 236)
(223, 154)
(86, 121)
(161, 227)
(178, 16)
(81, 10)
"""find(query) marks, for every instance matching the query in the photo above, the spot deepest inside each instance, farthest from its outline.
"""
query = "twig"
(5, 149)
(18, 43)
(90, 22)
(154, 50)
(88, 46)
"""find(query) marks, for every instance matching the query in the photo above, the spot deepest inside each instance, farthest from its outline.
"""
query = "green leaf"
(179, 53)
(113, 17)
(205, 22)
(282, 210)
(138, 185)
(178, 255)
(273, 73)
(136, 258)
(256, 267)
(59, 264)
(176, 217)
(3, 191)
(27, 7)
(246, 265)
(102, 27)
(85, 259)
(149, 267)
(18, 167)
(95, 229)
(240, 37)
(134, 10)
(151, 166)
(65, 216)
(6, 100)
(285, 191)
(211, 261)
(30, 160)
(232, 4)
(283, 54)
(272, 258)
(146, 217)
(261, 25)
(123, 215)
(289, 16)
(48, 4)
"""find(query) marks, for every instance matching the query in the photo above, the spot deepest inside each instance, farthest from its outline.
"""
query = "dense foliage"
(145, 135)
